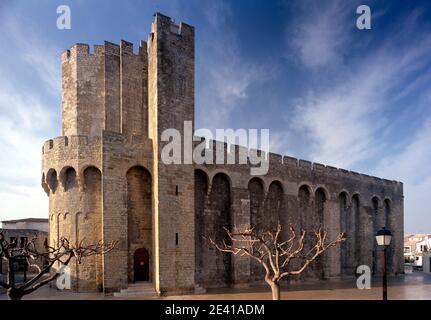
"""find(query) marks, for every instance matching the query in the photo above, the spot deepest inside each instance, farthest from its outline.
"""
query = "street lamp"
(383, 238)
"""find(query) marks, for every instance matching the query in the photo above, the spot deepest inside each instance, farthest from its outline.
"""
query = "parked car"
(408, 267)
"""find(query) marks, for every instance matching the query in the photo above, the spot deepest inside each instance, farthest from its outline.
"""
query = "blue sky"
(328, 92)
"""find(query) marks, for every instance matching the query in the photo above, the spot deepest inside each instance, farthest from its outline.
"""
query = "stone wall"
(171, 102)
(106, 181)
(139, 217)
(104, 90)
(72, 178)
(307, 195)
(120, 155)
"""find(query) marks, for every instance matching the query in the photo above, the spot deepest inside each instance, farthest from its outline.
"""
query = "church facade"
(106, 180)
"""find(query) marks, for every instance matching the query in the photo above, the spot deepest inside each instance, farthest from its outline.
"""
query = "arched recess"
(51, 228)
(304, 205)
(139, 215)
(52, 180)
(217, 266)
(275, 205)
(201, 243)
(305, 218)
(387, 208)
(320, 199)
(66, 229)
(89, 230)
(257, 219)
(345, 226)
(378, 223)
(319, 207)
(68, 178)
(357, 232)
(256, 196)
(93, 189)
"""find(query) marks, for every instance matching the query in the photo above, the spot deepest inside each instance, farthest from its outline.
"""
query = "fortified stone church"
(106, 181)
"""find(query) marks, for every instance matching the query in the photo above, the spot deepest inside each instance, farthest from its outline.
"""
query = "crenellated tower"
(171, 103)
(105, 90)
(106, 180)
(101, 176)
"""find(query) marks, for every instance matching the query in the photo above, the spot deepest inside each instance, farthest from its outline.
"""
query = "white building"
(426, 262)
(38, 224)
(415, 246)
(21, 232)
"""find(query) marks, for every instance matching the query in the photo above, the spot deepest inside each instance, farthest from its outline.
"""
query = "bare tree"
(275, 255)
(62, 254)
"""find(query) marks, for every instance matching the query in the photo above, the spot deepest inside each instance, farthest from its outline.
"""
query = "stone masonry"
(106, 181)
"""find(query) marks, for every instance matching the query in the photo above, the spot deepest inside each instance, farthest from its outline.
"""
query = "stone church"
(106, 181)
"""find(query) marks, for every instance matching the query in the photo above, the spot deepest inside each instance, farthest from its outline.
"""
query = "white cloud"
(24, 202)
(41, 56)
(349, 119)
(22, 119)
(412, 167)
(25, 120)
(227, 75)
(319, 33)
(346, 118)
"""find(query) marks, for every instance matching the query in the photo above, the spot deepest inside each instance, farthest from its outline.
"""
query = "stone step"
(144, 290)
(199, 289)
(136, 295)
(138, 289)
(141, 284)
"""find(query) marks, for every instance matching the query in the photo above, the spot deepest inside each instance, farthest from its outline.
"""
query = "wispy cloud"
(227, 74)
(38, 54)
(23, 117)
(412, 167)
(345, 118)
(319, 32)
(349, 119)
(26, 118)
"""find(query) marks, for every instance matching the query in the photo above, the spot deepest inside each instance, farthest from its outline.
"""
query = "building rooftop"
(43, 220)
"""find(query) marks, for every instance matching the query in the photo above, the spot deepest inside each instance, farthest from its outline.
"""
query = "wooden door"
(141, 265)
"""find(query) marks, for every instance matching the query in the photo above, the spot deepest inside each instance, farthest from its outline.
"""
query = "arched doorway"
(141, 265)
(139, 217)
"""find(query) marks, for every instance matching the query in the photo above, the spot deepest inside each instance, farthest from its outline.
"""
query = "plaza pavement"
(405, 287)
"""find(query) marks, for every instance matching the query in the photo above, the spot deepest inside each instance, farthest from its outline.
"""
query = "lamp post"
(383, 238)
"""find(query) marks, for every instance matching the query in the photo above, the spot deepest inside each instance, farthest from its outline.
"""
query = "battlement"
(332, 171)
(70, 142)
(278, 161)
(111, 80)
(65, 143)
(168, 24)
(99, 50)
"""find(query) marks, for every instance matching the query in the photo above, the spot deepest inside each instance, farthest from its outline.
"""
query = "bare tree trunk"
(15, 294)
(11, 273)
(275, 288)
(275, 255)
(52, 255)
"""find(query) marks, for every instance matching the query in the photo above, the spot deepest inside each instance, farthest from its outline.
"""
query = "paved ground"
(409, 286)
